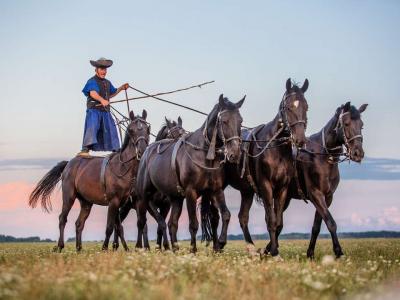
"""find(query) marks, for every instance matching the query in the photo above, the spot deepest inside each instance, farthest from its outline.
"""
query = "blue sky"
(347, 49)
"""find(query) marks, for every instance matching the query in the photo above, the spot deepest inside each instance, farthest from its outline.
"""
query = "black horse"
(192, 167)
(170, 131)
(95, 180)
(318, 167)
(267, 165)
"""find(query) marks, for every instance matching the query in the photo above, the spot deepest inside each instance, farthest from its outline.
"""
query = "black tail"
(46, 186)
(205, 212)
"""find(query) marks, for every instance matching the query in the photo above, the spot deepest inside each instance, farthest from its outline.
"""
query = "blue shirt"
(91, 85)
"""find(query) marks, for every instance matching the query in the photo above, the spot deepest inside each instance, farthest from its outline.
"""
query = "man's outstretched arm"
(122, 87)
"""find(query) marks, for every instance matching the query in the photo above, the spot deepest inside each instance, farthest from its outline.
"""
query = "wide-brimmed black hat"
(101, 63)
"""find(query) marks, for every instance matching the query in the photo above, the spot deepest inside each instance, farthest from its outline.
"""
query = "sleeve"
(91, 85)
(113, 90)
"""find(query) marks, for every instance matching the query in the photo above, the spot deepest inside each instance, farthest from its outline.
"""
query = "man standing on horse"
(100, 132)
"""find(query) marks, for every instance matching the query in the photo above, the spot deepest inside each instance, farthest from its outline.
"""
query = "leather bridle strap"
(283, 113)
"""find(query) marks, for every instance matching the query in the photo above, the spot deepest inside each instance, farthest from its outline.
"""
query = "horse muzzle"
(357, 155)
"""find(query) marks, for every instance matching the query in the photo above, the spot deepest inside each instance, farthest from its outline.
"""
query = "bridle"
(346, 140)
(218, 130)
(175, 132)
(283, 109)
(135, 141)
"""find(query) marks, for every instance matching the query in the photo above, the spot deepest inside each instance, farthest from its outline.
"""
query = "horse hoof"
(222, 244)
(175, 247)
(57, 249)
(272, 250)
(193, 250)
(216, 247)
(339, 253)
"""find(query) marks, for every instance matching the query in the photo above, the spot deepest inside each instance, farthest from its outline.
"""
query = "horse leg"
(191, 198)
(161, 224)
(141, 209)
(270, 217)
(176, 210)
(318, 200)
(245, 205)
(279, 205)
(164, 210)
(314, 235)
(219, 199)
(80, 222)
(69, 196)
(120, 233)
(279, 226)
(145, 238)
(214, 227)
(123, 213)
(111, 215)
(159, 229)
(316, 229)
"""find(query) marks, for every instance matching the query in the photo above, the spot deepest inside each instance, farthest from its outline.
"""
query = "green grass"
(33, 271)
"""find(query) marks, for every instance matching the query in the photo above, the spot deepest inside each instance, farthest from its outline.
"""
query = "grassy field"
(31, 271)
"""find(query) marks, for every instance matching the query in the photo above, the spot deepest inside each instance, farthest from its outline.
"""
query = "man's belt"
(96, 105)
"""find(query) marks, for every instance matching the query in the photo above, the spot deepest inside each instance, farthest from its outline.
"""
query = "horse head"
(349, 129)
(138, 132)
(225, 127)
(174, 129)
(293, 112)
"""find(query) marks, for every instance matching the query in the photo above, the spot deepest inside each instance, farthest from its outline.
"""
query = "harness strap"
(246, 153)
(245, 163)
(174, 155)
(104, 164)
(163, 142)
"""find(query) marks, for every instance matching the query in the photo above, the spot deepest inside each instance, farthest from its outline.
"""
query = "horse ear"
(167, 122)
(221, 101)
(305, 86)
(363, 107)
(131, 115)
(347, 106)
(288, 84)
(180, 121)
(240, 103)
(144, 114)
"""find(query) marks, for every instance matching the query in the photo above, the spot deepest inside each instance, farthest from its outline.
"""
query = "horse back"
(84, 174)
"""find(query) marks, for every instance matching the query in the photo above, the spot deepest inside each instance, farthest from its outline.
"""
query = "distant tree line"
(31, 239)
